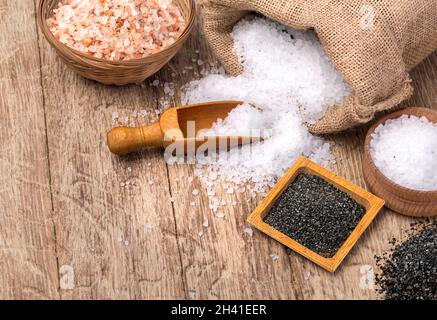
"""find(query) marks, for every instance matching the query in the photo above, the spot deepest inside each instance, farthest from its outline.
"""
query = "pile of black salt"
(409, 271)
(316, 214)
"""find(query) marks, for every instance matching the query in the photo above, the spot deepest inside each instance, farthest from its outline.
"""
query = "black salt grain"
(316, 214)
(410, 271)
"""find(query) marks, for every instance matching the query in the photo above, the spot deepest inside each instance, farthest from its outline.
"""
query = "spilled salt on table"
(249, 231)
(205, 223)
(295, 87)
(117, 29)
(405, 151)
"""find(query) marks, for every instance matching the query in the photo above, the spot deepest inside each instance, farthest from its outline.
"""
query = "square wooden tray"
(370, 202)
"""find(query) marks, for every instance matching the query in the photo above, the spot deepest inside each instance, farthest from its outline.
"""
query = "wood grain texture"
(28, 267)
(119, 240)
(103, 238)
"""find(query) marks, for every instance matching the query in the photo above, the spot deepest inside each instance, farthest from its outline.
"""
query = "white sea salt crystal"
(220, 215)
(205, 223)
(306, 275)
(295, 87)
(405, 151)
(249, 231)
(172, 199)
(155, 82)
(200, 233)
(167, 89)
(192, 203)
(195, 192)
(114, 115)
(274, 256)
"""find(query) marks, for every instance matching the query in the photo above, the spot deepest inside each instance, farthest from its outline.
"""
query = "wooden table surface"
(69, 230)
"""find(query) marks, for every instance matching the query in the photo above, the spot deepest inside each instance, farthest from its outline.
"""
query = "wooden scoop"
(173, 126)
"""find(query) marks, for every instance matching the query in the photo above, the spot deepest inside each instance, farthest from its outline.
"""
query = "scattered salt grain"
(117, 29)
(200, 233)
(306, 275)
(274, 256)
(405, 151)
(195, 192)
(249, 231)
(192, 203)
(126, 242)
(114, 115)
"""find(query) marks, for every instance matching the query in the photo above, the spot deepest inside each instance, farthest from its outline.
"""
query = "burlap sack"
(373, 43)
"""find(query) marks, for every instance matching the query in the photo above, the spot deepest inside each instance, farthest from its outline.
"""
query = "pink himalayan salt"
(117, 29)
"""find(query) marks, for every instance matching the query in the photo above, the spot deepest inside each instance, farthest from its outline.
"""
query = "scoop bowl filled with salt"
(116, 42)
(184, 130)
(400, 160)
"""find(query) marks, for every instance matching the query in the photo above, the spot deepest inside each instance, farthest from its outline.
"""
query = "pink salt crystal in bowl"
(123, 54)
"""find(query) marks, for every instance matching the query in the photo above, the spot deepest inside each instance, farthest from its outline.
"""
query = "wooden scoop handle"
(123, 140)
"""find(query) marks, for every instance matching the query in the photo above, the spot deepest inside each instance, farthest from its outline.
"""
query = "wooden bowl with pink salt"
(403, 144)
(116, 42)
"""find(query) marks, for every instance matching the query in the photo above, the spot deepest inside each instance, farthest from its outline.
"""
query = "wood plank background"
(71, 228)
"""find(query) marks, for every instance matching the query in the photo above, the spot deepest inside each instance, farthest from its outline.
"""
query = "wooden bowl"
(370, 202)
(115, 72)
(410, 202)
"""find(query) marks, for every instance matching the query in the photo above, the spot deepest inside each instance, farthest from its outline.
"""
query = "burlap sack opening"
(373, 43)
